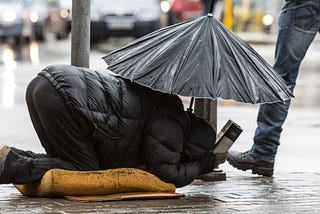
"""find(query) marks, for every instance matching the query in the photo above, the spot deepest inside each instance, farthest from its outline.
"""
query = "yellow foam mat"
(58, 182)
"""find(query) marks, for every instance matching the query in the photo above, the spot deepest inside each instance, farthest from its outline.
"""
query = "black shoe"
(4, 150)
(245, 161)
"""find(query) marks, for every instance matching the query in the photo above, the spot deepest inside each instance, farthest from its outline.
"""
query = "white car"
(124, 18)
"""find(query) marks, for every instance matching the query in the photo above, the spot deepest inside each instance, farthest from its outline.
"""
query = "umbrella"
(199, 58)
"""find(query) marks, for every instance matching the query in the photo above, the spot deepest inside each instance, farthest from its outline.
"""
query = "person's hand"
(220, 158)
(207, 163)
(211, 161)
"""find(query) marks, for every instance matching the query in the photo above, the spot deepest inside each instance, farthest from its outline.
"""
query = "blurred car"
(12, 22)
(124, 18)
(267, 23)
(47, 16)
(183, 10)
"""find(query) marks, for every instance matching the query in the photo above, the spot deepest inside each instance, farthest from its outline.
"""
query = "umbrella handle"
(190, 105)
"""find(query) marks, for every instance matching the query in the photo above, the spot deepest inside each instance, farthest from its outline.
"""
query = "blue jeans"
(299, 22)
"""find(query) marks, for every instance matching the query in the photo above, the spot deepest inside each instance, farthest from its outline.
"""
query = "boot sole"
(264, 171)
(4, 150)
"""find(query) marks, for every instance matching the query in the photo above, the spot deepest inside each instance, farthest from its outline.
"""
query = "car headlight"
(64, 13)
(267, 20)
(165, 6)
(9, 16)
(34, 17)
(149, 15)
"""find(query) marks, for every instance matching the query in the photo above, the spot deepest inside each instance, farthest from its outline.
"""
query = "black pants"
(65, 138)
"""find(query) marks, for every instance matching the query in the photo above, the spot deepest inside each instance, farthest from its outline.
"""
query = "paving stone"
(284, 193)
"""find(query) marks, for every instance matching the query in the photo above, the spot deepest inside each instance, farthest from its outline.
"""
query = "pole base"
(216, 175)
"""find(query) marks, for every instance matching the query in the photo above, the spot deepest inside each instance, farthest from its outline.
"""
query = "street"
(297, 161)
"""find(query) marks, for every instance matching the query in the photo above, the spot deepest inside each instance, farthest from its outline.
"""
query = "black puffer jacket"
(134, 125)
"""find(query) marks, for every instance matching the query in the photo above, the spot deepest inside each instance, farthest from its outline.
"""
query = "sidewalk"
(294, 188)
(240, 193)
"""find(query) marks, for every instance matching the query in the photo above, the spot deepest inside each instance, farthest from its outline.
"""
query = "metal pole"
(80, 33)
(190, 109)
(207, 109)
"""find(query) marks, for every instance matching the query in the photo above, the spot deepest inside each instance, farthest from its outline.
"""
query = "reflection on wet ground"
(35, 54)
(9, 59)
(11, 55)
(8, 87)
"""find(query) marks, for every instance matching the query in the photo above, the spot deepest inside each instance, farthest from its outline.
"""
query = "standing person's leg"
(66, 139)
(294, 39)
(297, 30)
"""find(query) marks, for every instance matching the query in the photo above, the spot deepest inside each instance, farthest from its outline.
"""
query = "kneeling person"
(89, 120)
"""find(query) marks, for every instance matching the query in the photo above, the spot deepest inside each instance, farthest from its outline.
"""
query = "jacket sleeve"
(161, 151)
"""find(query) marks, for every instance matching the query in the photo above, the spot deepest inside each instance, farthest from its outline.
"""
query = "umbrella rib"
(276, 78)
(200, 58)
(141, 51)
(173, 31)
(236, 60)
(147, 64)
(192, 45)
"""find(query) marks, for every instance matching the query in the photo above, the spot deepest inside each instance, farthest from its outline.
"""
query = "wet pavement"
(285, 193)
(294, 188)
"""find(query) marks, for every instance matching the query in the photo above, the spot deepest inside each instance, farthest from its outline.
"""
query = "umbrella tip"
(210, 15)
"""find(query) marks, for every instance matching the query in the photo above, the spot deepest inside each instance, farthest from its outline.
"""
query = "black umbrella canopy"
(200, 58)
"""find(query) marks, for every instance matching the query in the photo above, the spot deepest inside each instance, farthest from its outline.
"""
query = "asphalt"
(294, 188)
